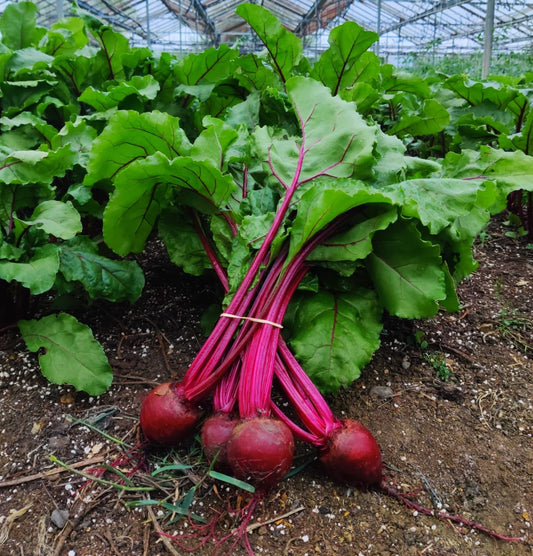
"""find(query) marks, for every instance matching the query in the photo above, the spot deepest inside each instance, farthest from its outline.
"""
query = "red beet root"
(167, 417)
(216, 431)
(353, 456)
(260, 450)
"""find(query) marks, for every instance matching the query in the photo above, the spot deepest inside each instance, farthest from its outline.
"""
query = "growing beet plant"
(320, 194)
(315, 221)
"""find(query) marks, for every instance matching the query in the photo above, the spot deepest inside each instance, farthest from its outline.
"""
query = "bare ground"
(463, 445)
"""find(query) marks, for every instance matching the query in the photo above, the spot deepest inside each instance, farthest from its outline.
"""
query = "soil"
(460, 443)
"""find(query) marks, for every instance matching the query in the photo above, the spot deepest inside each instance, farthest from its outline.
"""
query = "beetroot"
(260, 450)
(167, 417)
(352, 455)
(216, 431)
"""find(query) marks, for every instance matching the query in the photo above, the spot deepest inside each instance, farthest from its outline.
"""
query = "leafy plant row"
(104, 145)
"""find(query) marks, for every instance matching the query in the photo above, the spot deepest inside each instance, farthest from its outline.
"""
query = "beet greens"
(315, 218)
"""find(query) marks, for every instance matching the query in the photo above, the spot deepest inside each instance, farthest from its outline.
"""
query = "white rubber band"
(253, 319)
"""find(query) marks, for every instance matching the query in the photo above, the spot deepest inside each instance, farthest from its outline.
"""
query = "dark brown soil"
(464, 444)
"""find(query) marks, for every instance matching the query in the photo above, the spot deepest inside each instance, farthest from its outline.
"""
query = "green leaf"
(59, 219)
(284, 49)
(71, 354)
(394, 80)
(336, 141)
(39, 274)
(182, 241)
(17, 26)
(253, 74)
(141, 193)
(145, 87)
(438, 202)
(31, 130)
(208, 67)
(355, 243)
(113, 47)
(407, 271)
(337, 66)
(430, 118)
(335, 335)
(213, 142)
(510, 170)
(476, 93)
(322, 202)
(139, 196)
(27, 59)
(103, 278)
(130, 136)
(32, 166)
(65, 37)
(78, 136)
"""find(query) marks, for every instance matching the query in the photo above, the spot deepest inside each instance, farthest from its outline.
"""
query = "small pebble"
(381, 392)
(59, 518)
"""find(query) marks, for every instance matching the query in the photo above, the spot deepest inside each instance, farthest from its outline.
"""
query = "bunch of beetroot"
(247, 434)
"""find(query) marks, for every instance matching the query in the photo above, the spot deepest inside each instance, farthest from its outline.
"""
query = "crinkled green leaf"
(59, 219)
(10, 252)
(29, 128)
(250, 235)
(113, 47)
(407, 271)
(130, 136)
(27, 59)
(511, 171)
(145, 87)
(36, 166)
(65, 37)
(429, 118)
(253, 74)
(103, 278)
(438, 202)
(523, 140)
(283, 47)
(337, 66)
(78, 136)
(71, 354)
(334, 335)
(38, 274)
(476, 93)
(395, 80)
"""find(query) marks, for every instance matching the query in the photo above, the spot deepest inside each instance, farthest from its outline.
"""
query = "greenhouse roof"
(405, 26)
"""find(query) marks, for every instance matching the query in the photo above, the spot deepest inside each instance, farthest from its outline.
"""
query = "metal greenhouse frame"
(406, 27)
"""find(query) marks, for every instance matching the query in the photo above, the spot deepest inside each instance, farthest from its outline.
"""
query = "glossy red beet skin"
(353, 456)
(167, 417)
(260, 451)
(216, 432)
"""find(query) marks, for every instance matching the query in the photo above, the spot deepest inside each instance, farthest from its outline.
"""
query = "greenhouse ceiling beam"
(118, 21)
(314, 12)
(199, 10)
(444, 5)
(211, 29)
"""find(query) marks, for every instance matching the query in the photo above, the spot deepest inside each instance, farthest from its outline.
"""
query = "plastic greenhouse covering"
(405, 26)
